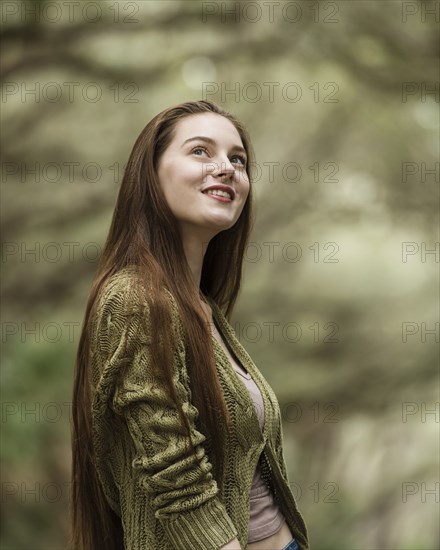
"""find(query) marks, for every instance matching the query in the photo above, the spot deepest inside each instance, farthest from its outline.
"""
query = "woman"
(176, 437)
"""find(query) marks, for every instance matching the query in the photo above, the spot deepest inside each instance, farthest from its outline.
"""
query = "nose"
(220, 168)
(224, 169)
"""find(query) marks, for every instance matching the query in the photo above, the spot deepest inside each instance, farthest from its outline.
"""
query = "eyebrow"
(213, 142)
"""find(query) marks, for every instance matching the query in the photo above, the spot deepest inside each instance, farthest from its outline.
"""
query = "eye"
(242, 159)
(198, 148)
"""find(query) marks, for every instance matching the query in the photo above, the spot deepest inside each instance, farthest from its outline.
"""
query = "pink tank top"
(265, 516)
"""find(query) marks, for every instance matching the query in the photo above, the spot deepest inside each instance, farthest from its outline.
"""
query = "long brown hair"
(150, 241)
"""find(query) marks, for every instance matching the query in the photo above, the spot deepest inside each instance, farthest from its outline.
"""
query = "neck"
(194, 246)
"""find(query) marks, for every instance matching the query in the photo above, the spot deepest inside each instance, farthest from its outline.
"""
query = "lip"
(220, 187)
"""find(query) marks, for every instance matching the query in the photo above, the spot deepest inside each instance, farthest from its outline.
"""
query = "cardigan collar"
(230, 338)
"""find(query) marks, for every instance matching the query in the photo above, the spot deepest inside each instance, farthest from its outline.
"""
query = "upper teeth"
(218, 192)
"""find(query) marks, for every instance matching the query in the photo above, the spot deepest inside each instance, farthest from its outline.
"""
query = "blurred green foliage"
(340, 290)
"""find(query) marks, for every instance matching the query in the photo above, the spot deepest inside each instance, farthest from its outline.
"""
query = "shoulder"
(127, 293)
(121, 293)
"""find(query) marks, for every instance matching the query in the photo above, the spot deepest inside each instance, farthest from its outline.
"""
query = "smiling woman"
(176, 436)
(205, 186)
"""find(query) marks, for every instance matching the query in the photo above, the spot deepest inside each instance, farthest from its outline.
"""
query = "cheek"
(195, 172)
(245, 186)
(163, 176)
(168, 185)
(183, 175)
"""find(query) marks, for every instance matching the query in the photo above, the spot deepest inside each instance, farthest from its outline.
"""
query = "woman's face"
(205, 154)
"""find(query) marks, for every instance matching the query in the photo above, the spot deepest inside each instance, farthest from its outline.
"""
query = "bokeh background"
(340, 301)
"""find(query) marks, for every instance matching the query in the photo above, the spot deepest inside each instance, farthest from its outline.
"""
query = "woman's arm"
(180, 486)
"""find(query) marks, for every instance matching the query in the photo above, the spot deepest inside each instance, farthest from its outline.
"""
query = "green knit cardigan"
(168, 499)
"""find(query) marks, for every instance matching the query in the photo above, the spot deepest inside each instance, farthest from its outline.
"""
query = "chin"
(221, 224)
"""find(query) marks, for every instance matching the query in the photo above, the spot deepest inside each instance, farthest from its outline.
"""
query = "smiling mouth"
(219, 194)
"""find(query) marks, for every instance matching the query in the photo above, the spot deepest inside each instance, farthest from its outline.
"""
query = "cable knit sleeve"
(180, 486)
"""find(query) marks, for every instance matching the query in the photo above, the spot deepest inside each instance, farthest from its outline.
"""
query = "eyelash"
(241, 157)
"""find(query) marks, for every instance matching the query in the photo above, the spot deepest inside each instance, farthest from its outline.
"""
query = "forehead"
(210, 125)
